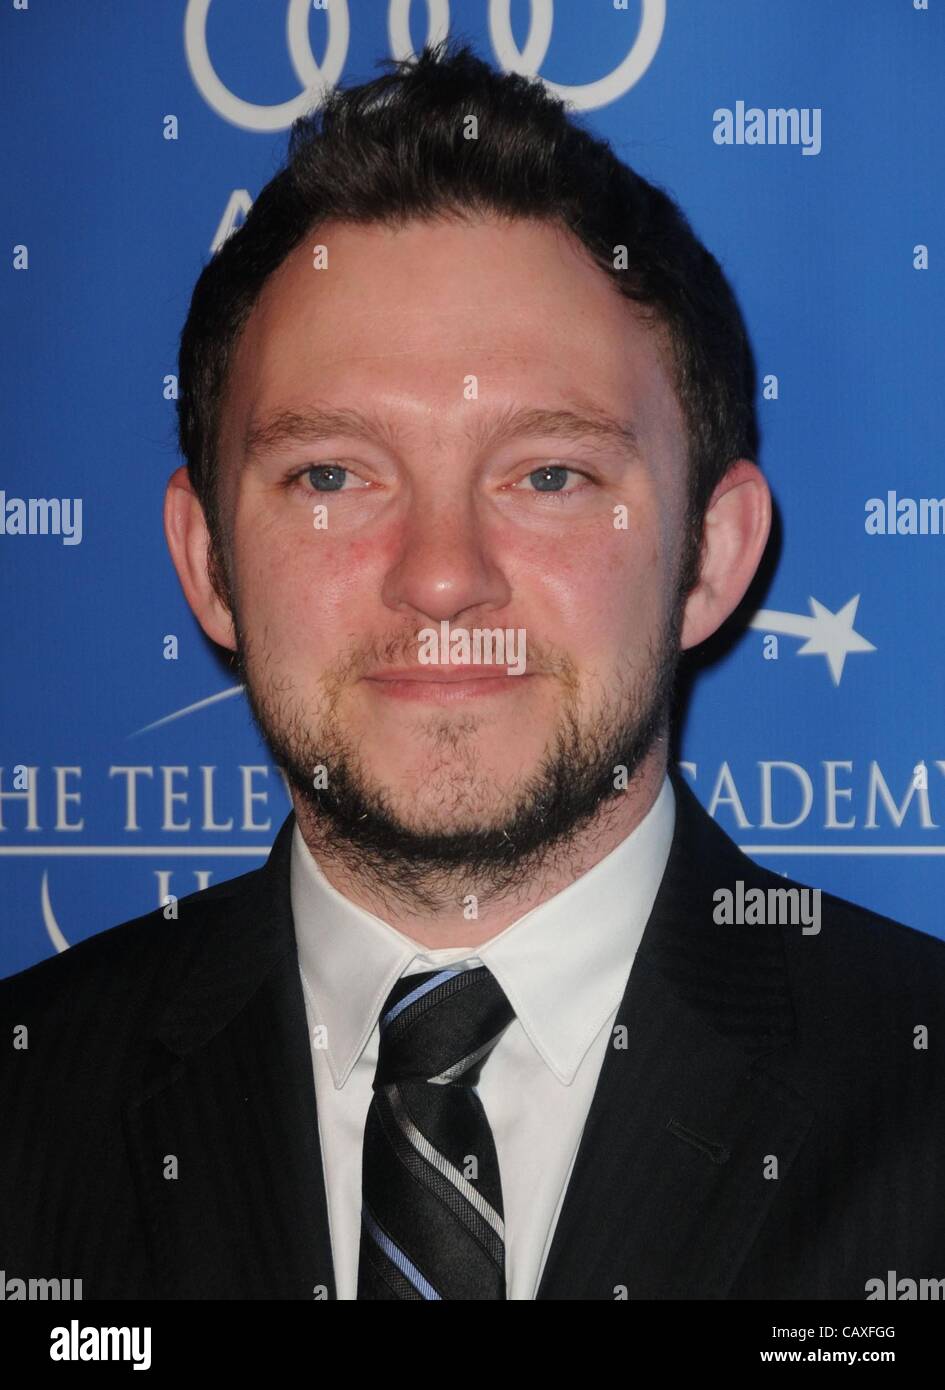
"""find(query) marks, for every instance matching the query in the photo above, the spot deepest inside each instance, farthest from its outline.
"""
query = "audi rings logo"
(316, 80)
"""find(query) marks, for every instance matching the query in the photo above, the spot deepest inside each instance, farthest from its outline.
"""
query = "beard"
(467, 844)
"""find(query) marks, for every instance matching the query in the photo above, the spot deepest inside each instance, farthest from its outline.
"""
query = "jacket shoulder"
(855, 939)
(859, 963)
(846, 943)
(122, 959)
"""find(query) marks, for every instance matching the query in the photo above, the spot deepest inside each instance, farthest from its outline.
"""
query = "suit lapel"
(669, 1187)
(220, 1119)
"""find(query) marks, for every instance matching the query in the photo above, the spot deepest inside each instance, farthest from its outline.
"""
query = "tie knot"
(440, 1026)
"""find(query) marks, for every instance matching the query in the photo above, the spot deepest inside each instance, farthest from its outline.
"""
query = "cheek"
(298, 587)
(604, 591)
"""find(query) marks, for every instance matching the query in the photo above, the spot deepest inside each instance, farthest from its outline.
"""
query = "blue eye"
(327, 477)
(551, 478)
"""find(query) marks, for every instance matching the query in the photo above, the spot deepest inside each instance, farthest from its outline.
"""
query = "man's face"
(450, 504)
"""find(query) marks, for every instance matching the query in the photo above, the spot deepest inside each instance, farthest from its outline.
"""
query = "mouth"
(443, 684)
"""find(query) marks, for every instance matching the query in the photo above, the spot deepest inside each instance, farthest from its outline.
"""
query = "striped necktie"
(431, 1214)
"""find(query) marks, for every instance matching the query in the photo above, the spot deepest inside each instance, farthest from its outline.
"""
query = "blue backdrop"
(814, 737)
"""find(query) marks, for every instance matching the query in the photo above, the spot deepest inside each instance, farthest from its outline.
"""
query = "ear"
(188, 539)
(735, 533)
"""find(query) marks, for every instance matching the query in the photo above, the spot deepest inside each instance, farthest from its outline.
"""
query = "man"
(476, 1030)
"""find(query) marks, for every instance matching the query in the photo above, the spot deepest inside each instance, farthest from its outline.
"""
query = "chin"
(437, 813)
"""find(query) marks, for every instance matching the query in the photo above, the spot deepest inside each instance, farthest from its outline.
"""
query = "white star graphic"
(828, 634)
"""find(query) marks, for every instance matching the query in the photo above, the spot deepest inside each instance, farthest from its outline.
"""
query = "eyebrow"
(589, 422)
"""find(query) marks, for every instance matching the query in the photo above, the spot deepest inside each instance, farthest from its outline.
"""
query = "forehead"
(404, 319)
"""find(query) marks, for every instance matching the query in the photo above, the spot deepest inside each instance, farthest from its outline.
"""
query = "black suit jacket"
(746, 1047)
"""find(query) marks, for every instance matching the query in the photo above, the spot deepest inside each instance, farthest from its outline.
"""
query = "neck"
(448, 925)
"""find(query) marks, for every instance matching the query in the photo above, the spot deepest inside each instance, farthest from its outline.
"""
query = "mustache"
(401, 650)
(365, 655)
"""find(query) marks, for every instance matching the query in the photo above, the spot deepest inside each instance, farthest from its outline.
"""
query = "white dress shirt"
(563, 966)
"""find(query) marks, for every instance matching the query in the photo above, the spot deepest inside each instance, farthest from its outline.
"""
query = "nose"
(445, 563)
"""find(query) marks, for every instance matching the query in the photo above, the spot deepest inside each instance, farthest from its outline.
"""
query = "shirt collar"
(563, 965)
